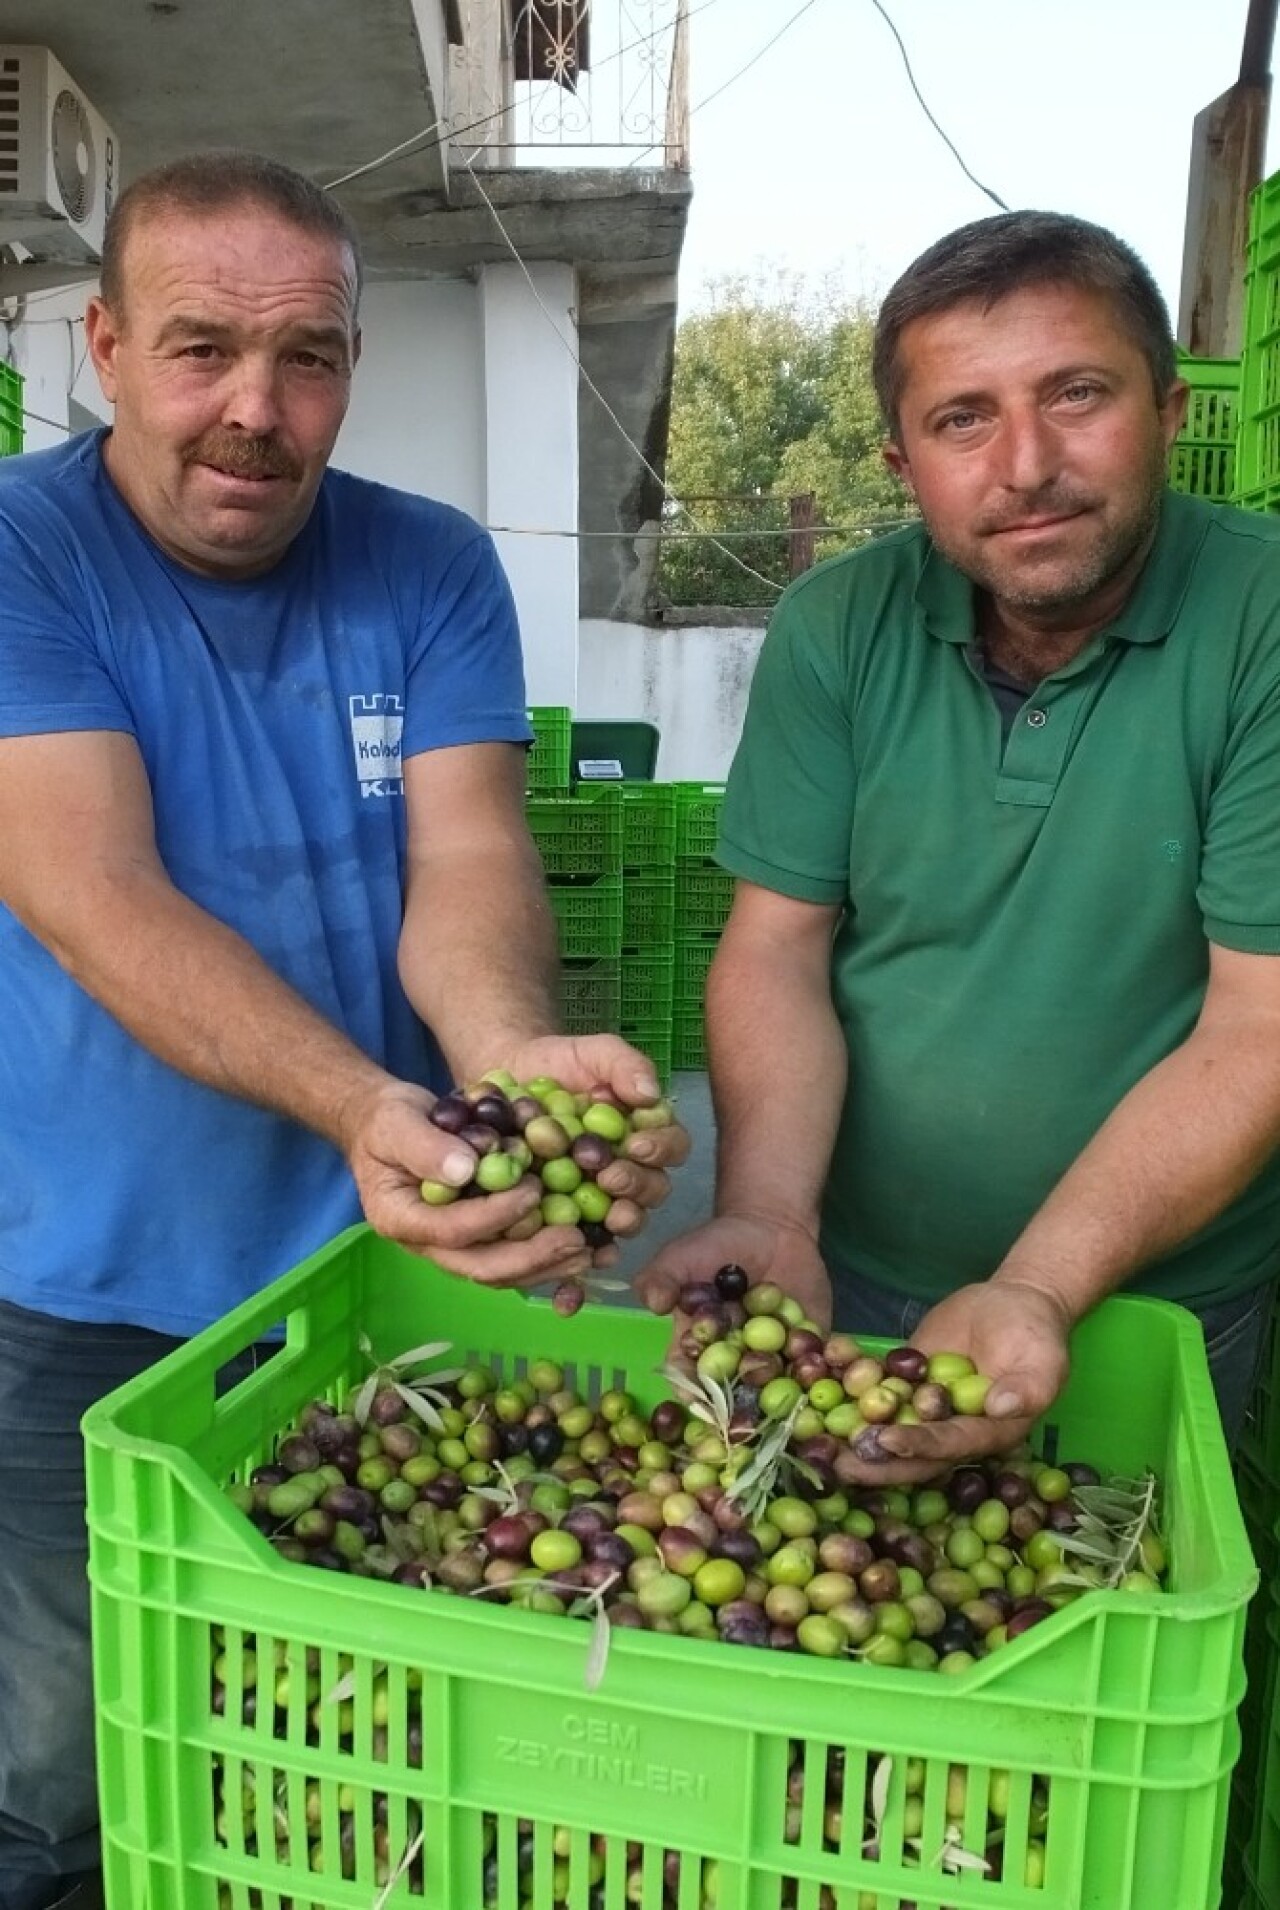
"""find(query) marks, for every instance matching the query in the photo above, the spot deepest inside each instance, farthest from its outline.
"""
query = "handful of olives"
(539, 1129)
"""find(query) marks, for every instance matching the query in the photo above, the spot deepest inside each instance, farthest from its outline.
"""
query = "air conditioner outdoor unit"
(59, 162)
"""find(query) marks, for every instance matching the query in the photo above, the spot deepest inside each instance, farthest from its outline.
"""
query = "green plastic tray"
(688, 1038)
(698, 807)
(648, 825)
(1203, 457)
(547, 764)
(1122, 1706)
(588, 915)
(647, 978)
(703, 900)
(1257, 467)
(648, 908)
(591, 995)
(652, 1035)
(12, 427)
(694, 956)
(578, 834)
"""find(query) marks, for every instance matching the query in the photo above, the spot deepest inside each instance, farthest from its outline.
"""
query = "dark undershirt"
(1009, 694)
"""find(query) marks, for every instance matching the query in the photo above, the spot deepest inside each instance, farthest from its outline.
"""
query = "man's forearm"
(479, 958)
(778, 1069)
(197, 995)
(1179, 1148)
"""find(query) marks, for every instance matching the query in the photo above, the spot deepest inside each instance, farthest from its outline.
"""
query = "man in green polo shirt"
(995, 1024)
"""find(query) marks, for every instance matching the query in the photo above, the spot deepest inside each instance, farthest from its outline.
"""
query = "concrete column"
(531, 462)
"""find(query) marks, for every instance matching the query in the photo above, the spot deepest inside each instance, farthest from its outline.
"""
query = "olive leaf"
(755, 1485)
(707, 1399)
(1115, 1518)
(346, 1686)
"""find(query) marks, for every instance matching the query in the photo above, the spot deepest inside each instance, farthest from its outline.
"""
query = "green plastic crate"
(547, 764)
(591, 995)
(1122, 1707)
(694, 956)
(1203, 457)
(688, 1038)
(1260, 1508)
(12, 427)
(698, 807)
(579, 834)
(1251, 1897)
(1262, 1852)
(588, 915)
(652, 1035)
(648, 825)
(648, 978)
(703, 900)
(1258, 445)
(648, 908)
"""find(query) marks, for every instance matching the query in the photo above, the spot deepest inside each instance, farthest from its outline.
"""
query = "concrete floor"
(692, 1186)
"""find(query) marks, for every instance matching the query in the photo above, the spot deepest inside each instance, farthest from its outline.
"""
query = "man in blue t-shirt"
(265, 883)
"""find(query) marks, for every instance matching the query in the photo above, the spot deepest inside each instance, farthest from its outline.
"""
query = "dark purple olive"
(507, 1538)
(594, 1575)
(596, 1234)
(1061, 1516)
(568, 1299)
(967, 1488)
(348, 1502)
(626, 1617)
(443, 1492)
(907, 1362)
(611, 1550)
(495, 1111)
(865, 1450)
(1031, 1614)
(699, 1297)
(803, 1345)
(451, 1114)
(879, 1582)
(268, 1475)
(820, 1450)
(843, 1552)
(1027, 1519)
(1012, 1489)
(1081, 1475)
(782, 1638)
(515, 1440)
(526, 1109)
(480, 1138)
(757, 1369)
(731, 1281)
(742, 1623)
(956, 1635)
(667, 1421)
(546, 1443)
(416, 1572)
(592, 1153)
(585, 1522)
(741, 1547)
(298, 1454)
(386, 1407)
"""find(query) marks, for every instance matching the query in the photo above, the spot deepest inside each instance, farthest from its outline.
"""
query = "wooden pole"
(1228, 144)
(803, 511)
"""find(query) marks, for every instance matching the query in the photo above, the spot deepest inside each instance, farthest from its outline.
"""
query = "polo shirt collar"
(944, 595)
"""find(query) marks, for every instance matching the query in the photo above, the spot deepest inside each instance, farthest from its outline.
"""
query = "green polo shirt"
(1027, 919)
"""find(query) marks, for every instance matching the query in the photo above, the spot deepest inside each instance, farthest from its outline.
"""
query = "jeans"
(1234, 1334)
(51, 1372)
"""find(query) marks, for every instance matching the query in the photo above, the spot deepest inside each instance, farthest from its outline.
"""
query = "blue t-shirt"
(273, 717)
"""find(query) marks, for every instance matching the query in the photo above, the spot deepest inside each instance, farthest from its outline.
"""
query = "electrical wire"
(972, 177)
(595, 390)
(735, 77)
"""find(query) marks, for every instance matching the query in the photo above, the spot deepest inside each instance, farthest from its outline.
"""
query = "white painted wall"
(46, 344)
(692, 683)
(531, 461)
(417, 398)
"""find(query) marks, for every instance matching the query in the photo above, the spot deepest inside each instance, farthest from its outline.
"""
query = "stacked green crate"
(648, 918)
(547, 765)
(1255, 1784)
(1202, 461)
(579, 837)
(703, 894)
(1257, 465)
(11, 412)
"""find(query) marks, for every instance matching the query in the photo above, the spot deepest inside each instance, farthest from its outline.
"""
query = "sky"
(819, 159)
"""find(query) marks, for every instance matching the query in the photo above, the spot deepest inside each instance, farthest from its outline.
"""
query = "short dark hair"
(987, 260)
(211, 182)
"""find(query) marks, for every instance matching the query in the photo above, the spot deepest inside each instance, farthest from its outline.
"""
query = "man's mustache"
(1053, 501)
(242, 456)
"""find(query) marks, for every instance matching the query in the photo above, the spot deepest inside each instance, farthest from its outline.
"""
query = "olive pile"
(673, 1521)
(539, 1128)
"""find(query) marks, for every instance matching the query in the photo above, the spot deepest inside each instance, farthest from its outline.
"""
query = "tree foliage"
(772, 397)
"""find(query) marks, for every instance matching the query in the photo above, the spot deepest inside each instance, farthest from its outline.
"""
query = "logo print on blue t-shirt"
(376, 726)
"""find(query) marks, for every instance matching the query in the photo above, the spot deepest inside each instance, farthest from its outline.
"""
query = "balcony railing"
(577, 82)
